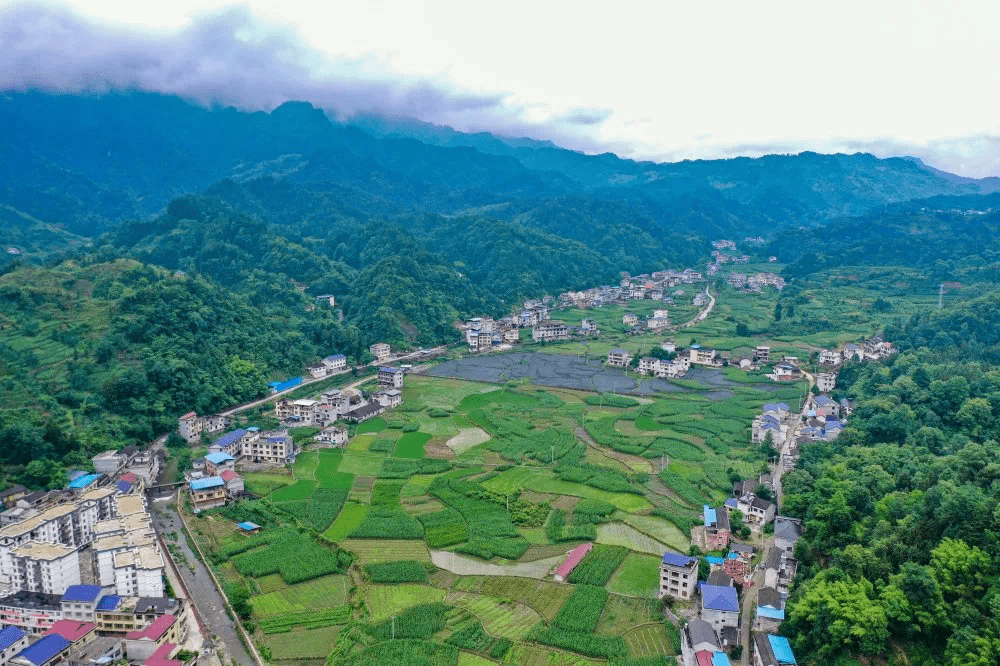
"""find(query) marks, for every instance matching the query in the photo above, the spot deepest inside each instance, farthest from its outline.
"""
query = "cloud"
(230, 58)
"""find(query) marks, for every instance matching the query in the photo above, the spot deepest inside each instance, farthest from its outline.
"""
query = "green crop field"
(501, 481)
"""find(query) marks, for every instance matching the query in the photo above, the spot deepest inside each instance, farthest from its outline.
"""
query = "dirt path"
(701, 316)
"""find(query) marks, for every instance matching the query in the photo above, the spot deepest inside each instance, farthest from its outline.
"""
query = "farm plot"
(466, 439)
(382, 550)
(348, 520)
(327, 472)
(302, 644)
(500, 618)
(660, 529)
(619, 534)
(544, 597)
(361, 443)
(468, 566)
(263, 484)
(638, 576)
(325, 592)
(411, 445)
(648, 641)
(360, 463)
(384, 601)
(544, 481)
(299, 490)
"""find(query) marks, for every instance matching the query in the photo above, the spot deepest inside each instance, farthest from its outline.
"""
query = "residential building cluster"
(756, 511)
(872, 349)
(755, 282)
(91, 625)
(331, 365)
(106, 530)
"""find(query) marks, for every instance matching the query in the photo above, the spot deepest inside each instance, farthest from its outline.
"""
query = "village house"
(49, 650)
(720, 606)
(78, 601)
(619, 358)
(770, 610)
(141, 644)
(316, 371)
(390, 378)
(786, 532)
(648, 365)
(678, 576)
(853, 352)
(479, 340)
(829, 358)
(216, 463)
(190, 425)
(762, 354)
(207, 492)
(779, 570)
(767, 424)
(755, 510)
(826, 381)
(550, 330)
(332, 435)
(702, 636)
(335, 363)
(877, 349)
(671, 369)
(669, 346)
(12, 641)
(388, 398)
(771, 650)
(699, 356)
(717, 532)
(630, 320)
(381, 351)
(657, 323)
(78, 633)
(699, 300)
(272, 447)
(785, 372)
(510, 335)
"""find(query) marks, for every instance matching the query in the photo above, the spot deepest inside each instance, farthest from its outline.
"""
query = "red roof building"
(162, 656)
(704, 657)
(156, 629)
(228, 475)
(130, 477)
(72, 630)
(572, 559)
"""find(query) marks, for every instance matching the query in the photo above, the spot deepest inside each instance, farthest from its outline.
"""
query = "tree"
(962, 570)
(742, 330)
(44, 474)
(763, 492)
(777, 312)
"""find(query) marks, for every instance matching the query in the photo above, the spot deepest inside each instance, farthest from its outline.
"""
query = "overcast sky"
(658, 80)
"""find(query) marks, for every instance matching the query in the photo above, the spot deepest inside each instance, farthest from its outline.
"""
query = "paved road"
(701, 316)
(204, 594)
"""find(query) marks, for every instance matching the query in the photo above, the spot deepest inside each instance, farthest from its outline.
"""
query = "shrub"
(471, 637)
(500, 648)
(610, 400)
(437, 413)
(444, 528)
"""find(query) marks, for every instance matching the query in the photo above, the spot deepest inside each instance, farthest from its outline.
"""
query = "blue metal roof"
(677, 560)
(44, 649)
(710, 517)
(781, 649)
(81, 482)
(124, 486)
(9, 636)
(108, 602)
(335, 357)
(712, 559)
(248, 526)
(207, 482)
(278, 387)
(731, 502)
(720, 659)
(218, 457)
(720, 598)
(229, 438)
(784, 406)
(767, 611)
(824, 400)
(81, 593)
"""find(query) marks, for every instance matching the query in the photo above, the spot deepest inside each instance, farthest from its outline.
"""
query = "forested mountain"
(902, 511)
(952, 238)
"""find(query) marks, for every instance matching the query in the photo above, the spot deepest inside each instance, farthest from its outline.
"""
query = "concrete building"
(770, 650)
(380, 351)
(47, 651)
(619, 358)
(139, 572)
(699, 356)
(12, 641)
(190, 425)
(630, 320)
(79, 634)
(332, 435)
(141, 644)
(390, 378)
(335, 363)
(826, 381)
(109, 463)
(48, 568)
(678, 576)
(550, 330)
(33, 612)
(207, 493)
(78, 602)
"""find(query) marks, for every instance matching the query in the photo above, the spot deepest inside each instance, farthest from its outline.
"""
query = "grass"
(544, 597)
(381, 550)
(500, 618)
(660, 529)
(649, 640)
(384, 601)
(619, 534)
(299, 490)
(350, 517)
(361, 443)
(263, 484)
(376, 424)
(360, 463)
(638, 576)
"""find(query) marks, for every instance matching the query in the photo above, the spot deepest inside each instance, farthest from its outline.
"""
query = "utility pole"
(941, 296)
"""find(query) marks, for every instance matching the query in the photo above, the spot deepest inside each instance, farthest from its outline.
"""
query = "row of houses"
(88, 625)
(872, 349)
(755, 282)
(106, 530)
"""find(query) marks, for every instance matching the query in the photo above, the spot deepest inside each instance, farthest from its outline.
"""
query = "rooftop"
(781, 649)
(43, 551)
(25, 526)
(26, 600)
(158, 605)
(9, 636)
(676, 560)
(87, 593)
(108, 602)
(130, 505)
(573, 558)
(156, 629)
(717, 597)
(219, 457)
(207, 482)
(44, 649)
(71, 630)
(161, 657)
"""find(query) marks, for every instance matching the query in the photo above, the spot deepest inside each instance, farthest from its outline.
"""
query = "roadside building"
(141, 644)
(390, 378)
(720, 606)
(380, 350)
(208, 492)
(78, 602)
(34, 612)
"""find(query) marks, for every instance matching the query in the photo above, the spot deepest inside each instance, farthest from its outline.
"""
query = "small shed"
(247, 527)
(572, 559)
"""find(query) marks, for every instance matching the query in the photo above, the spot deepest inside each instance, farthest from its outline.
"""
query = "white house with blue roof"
(219, 462)
(49, 649)
(720, 605)
(78, 601)
(12, 641)
(678, 576)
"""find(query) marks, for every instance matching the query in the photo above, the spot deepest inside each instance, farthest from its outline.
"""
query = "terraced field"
(500, 618)
(649, 640)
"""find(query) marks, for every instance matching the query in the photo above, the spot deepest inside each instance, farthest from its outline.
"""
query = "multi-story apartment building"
(619, 358)
(35, 612)
(390, 378)
(380, 350)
